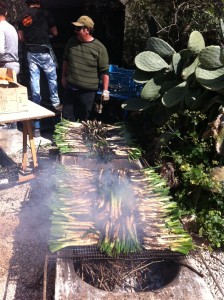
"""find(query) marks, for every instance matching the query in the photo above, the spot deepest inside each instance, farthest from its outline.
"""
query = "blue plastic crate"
(122, 85)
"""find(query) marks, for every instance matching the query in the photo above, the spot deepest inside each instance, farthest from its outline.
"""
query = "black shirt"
(35, 25)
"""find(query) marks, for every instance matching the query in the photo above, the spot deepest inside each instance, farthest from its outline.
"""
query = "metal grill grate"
(93, 253)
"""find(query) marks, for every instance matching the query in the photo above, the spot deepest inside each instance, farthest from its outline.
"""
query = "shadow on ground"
(30, 246)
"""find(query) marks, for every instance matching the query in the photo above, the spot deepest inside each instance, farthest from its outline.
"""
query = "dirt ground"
(24, 222)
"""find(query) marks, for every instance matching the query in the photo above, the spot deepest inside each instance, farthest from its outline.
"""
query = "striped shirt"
(86, 62)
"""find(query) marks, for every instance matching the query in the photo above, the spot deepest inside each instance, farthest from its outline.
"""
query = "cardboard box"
(13, 99)
(13, 96)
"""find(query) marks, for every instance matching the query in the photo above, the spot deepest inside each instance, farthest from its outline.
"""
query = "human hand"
(105, 95)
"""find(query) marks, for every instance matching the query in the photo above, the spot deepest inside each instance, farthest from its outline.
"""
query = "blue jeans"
(43, 61)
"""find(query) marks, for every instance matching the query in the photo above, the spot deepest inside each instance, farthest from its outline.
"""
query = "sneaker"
(58, 107)
(36, 132)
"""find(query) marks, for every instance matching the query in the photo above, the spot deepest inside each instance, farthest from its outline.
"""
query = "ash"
(127, 276)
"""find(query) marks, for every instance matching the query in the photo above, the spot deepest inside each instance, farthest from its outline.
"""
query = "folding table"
(34, 112)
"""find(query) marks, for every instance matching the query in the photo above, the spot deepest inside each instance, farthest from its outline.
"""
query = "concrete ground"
(11, 140)
(24, 222)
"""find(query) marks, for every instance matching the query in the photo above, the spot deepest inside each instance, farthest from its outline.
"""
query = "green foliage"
(172, 21)
(212, 226)
(193, 158)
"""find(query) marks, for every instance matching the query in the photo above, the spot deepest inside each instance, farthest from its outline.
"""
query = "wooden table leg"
(32, 145)
(27, 130)
(24, 159)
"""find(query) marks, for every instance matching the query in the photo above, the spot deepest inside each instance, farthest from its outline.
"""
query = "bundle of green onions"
(122, 214)
(68, 137)
(94, 138)
(162, 227)
(71, 205)
(115, 216)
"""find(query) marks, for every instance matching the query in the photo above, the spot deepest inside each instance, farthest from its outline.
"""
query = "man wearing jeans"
(34, 29)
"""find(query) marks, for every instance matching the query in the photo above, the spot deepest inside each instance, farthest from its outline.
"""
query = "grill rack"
(81, 253)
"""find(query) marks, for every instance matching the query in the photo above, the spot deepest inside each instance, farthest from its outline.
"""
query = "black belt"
(37, 49)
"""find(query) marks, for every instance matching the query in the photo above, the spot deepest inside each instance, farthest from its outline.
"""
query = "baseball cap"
(84, 21)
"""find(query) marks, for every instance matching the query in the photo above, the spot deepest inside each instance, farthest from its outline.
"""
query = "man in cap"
(85, 61)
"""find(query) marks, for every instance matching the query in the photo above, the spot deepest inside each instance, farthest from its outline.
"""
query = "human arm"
(21, 36)
(105, 85)
(53, 31)
(104, 73)
(2, 43)
(64, 73)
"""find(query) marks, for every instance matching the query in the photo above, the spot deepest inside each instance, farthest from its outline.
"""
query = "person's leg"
(34, 76)
(34, 70)
(69, 99)
(84, 104)
(49, 69)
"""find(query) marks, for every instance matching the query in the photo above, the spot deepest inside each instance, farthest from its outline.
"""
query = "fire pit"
(118, 221)
(149, 280)
(125, 276)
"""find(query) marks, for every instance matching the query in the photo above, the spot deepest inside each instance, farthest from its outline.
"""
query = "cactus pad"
(140, 76)
(135, 104)
(175, 95)
(196, 42)
(152, 88)
(149, 61)
(210, 57)
(177, 63)
(190, 69)
(160, 47)
(210, 79)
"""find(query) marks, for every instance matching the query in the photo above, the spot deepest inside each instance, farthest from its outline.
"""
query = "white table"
(34, 112)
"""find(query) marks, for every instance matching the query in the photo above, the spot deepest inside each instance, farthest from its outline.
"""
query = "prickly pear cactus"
(192, 95)
(150, 62)
(175, 95)
(210, 57)
(140, 76)
(188, 71)
(191, 79)
(177, 63)
(152, 89)
(210, 79)
(160, 47)
(135, 104)
(196, 42)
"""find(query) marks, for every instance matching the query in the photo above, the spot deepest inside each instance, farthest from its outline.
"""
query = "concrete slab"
(186, 286)
(11, 140)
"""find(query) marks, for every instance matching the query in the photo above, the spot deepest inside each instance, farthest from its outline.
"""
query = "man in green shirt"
(85, 61)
